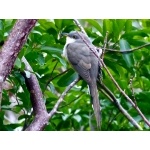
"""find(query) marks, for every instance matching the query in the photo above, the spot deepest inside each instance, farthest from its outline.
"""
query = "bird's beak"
(63, 34)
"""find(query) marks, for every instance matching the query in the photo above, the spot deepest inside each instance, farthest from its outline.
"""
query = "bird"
(85, 63)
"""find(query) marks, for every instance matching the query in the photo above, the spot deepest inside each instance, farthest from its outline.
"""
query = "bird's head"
(75, 36)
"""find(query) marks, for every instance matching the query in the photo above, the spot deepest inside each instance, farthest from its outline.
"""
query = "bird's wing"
(80, 59)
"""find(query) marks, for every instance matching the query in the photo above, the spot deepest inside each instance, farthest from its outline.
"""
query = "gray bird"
(85, 63)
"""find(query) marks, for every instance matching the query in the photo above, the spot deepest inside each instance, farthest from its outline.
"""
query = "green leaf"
(69, 77)
(116, 30)
(107, 26)
(128, 57)
(51, 50)
(41, 60)
(128, 26)
(62, 61)
(32, 56)
(136, 33)
(46, 24)
(121, 24)
(118, 25)
(77, 111)
(95, 24)
(143, 101)
(58, 23)
(1, 25)
(65, 116)
(47, 39)
(18, 63)
(77, 118)
(36, 32)
(146, 23)
(67, 22)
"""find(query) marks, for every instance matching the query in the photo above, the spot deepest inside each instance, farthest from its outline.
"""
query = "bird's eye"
(74, 36)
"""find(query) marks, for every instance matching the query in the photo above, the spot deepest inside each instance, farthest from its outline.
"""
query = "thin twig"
(128, 51)
(54, 110)
(79, 25)
(71, 101)
(126, 96)
(59, 75)
(105, 44)
(131, 87)
(51, 75)
(110, 95)
(111, 120)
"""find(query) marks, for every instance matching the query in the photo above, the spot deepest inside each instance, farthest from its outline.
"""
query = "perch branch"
(79, 25)
(116, 84)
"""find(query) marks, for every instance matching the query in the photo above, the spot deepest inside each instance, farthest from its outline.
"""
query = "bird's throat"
(68, 41)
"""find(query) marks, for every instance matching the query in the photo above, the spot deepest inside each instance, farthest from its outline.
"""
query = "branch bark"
(12, 47)
(36, 97)
(79, 25)
(41, 115)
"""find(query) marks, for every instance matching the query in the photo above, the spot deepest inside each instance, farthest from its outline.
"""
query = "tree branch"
(126, 96)
(79, 25)
(110, 95)
(54, 110)
(12, 47)
(41, 115)
(52, 78)
(128, 51)
(36, 97)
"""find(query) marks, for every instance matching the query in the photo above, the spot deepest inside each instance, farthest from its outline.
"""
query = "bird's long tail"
(95, 102)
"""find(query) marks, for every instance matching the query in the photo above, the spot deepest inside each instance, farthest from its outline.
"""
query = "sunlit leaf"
(128, 57)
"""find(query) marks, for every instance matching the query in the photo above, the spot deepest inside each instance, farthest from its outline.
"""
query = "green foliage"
(43, 51)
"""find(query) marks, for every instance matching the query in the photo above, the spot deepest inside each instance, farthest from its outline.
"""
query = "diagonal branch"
(41, 115)
(116, 84)
(79, 25)
(12, 47)
(36, 97)
(126, 96)
(54, 110)
(110, 95)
